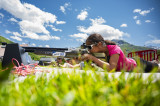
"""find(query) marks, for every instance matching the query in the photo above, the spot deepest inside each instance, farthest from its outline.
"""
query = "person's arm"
(105, 65)
(68, 65)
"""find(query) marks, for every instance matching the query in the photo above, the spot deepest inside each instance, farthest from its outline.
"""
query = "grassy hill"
(3, 39)
(127, 47)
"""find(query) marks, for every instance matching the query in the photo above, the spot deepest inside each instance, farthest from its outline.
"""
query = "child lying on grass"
(114, 55)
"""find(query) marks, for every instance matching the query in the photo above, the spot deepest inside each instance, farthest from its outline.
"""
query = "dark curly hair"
(95, 38)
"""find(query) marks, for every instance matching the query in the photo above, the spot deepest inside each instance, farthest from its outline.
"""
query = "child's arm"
(105, 65)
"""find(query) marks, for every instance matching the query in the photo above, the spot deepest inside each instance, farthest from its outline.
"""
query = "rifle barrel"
(44, 50)
(33, 49)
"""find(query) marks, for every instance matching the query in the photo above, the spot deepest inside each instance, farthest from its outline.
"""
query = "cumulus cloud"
(106, 31)
(124, 25)
(97, 21)
(138, 22)
(98, 26)
(60, 22)
(141, 13)
(16, 34)
(64, 7)
(16, 38)
(135, 17)
(136, 10)
(33, 27)
(144, 12)
(147, 21)
(13, 20)
(83, 15)
(54, 29)
(80, 36)
(32, 19)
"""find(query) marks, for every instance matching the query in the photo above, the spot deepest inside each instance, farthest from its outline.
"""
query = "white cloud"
(64, 7)
(13, 20)
(153, 41)
(99, 21)
(106, 31)
(97, 26)
(56, 37)
(1, 15)
(138, 22)
(33, 44)
(124, 25)
(33, 20)
(16, 38)
(147, 21)
(80, 40)
(157, 41)
(60, 22)
(33, 27)
(135, 17)
(136, 10)
(7, 31)
(144, 12)
(47, 46)
(80, 36)
(54, 29)
(83, 15)
(41, 37)
(16, 34)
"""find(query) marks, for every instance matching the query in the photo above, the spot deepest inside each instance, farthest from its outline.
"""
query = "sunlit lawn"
(64, 86)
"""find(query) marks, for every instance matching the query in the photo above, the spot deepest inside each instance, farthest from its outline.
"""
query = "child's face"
(95, 48)
(60, 60)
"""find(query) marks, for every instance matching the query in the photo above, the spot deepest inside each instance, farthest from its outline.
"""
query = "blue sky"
(67, 23)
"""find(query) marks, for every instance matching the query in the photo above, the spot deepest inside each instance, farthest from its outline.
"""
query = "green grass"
(3, 39)
(92, 88)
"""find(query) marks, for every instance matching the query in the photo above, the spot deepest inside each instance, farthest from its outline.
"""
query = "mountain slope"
(2, 39)
(127, 47)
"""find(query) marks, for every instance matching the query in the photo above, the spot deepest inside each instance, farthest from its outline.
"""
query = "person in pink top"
(114, 55)
(123, 61)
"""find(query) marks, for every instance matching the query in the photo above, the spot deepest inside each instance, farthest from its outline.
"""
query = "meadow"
(75, 87)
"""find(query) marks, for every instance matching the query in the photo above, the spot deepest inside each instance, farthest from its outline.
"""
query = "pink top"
(123, 62)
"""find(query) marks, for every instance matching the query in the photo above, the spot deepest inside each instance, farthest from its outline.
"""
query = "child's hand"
(86, 57)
